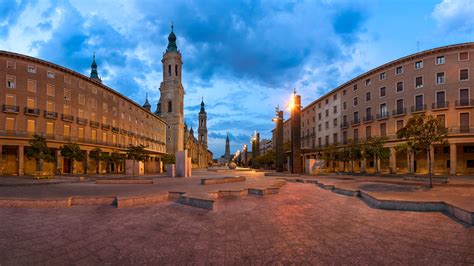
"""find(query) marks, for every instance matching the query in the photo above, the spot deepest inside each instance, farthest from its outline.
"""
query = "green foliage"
(168, 159)
(268, 159)
(72, 151)
(136, 153)
(39, 151)
(373, 148)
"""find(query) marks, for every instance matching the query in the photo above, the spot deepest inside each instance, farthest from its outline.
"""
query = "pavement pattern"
(301, 225)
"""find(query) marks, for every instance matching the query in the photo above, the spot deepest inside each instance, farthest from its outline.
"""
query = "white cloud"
(455, 15)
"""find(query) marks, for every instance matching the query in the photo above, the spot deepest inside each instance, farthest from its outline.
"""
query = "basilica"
(170, 109)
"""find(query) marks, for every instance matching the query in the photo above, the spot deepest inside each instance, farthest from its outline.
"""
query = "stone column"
(393, 161)
(86, 163)
(21, 160)
(452, 158)
(432, 159)
(296, 135)
(279, 141)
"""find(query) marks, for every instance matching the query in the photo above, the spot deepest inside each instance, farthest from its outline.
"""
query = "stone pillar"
(432, 155)
(21, 160)
(279, 142)
(296, 164)
(452, 158)
(411, 163)
(86, 163)
(393, 161)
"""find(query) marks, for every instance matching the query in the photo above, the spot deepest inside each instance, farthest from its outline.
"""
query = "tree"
(136, 153)
(374, 148)
(354, 152)
(73, 152)
(424, 131)
(117, 159)
(96, 155)
(39, 151)
(168, 159)
(343, 156)
(329, 155)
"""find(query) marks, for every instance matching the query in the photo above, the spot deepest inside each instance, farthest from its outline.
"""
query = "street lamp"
(295, 105)
(278, 139)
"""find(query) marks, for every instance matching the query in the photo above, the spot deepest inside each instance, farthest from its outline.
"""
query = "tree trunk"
(38, 165)
(429, 168)
(72, 166)
(97, 162)
(133, 171)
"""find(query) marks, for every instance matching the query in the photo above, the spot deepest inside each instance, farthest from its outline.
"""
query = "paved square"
(302, 224)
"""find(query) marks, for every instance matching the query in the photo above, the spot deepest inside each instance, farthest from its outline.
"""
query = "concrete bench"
(44, 174)
(436, 179)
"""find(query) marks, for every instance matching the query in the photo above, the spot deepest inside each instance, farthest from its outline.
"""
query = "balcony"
(344, 124)
(383, 115)
(51, 115)
(81, 121)
(461, 130)
(32, 111)
(67, 118)
(105, 127)
(418, 108)
(399, 111)
(13, 109)
(123, 131)
(355, 122)
(368, 118)
(115, 129)
(464, 103)
(439, 105)
(94, 124)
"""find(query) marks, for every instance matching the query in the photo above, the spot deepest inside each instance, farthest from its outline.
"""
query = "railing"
(461, 130)
(68, 118)
(383, 115)
(94, 124)
(11, 108)
(464, 103)
(344, 124)
(105, 127)
(368, 118)
(52, 115)
(399, 111)
(123, 131)
(32, 111)
(418, 108)
(115, 129)
(355, 121)
(439, 105)
(81, 121)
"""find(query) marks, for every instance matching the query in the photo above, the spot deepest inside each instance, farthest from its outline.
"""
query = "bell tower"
(202, 129)
(172, 96)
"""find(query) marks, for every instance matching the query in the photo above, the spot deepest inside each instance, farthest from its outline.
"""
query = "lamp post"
(254, 154)
(295, 107)
(278, 139)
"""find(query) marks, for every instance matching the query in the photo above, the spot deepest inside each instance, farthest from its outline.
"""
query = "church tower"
(94, 74)
(202, 129)
(172, 96)
(227, 148)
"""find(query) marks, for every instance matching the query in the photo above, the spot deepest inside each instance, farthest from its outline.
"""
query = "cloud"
(455, 16)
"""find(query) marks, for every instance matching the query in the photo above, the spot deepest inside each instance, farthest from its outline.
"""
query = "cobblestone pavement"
(302, 224)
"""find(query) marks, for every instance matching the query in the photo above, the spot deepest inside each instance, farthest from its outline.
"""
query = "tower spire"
(147, 105)
(172, 41)
(94, 74)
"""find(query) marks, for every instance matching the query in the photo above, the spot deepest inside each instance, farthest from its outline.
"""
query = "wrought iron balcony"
(52, 115)
(356, 121)
(123, 132)
(15, 109)
(68, 118)
(399, 111)
(105, 127)
(418, 108)
(464, 103)
(94, 124)
(32, 111)
(368, 118)
(115, 129)
(81, 121)
(344, 124)
(439, 105)
(383, 115)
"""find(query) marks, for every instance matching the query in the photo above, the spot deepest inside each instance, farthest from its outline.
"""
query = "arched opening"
(170, 107)
(169, 70)
(176, 69)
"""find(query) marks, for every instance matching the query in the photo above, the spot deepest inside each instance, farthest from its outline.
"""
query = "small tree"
(39, 151)
(73, 152)
(117, 159)
(136, 153)
(168, 159)
(96, 156)
(374, 148)
(424, 131)
(354, 152)
(329, 155)
(343, 156)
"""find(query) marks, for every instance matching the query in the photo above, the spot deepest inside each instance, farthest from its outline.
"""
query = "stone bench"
(125, 181)
(44, 174)
(222, 180)
(436, 179)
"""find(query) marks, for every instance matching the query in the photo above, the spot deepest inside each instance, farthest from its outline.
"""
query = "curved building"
(39, 97)
(377, 103)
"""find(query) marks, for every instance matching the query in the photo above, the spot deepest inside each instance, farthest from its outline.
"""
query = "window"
(463, 56)
(319, 141)
(176, 70)
(440, 60)
(67, 109)
(170, 107)
(356, 117)
(464, 122)
(442, 120)
(327, 125)
(368, 82)
(419, 82)
(104, 107)
(334, 97)
(334, 109)
(368, 132)
(399, 70)
(355, 101)
(383, 130)
(319, 105)
(31, 85)
(104, 120)
(368, 113)
(67, 94)
(50, 106)
(67, 131)
(344, 137)
(67, 79)
(400, 86)
(440, 78)
(319, 116)
(399, 124)
(31, 69)
(11, 99)
(30, 126)
(334, 138)
(334, 122)
(82, 99)
(344, 105)
(327, 100)
(400, 107)
(419, 103)
(11, 82)
(50, 74)
(355, 87)
(356, 134)
(94, 135)
(418, 64)
(169, 70)
(327, 113)
(326, 140)
(344, 92)
(94, 103)
(10, 123)
(94, 90)
(319, 127)
(382, 92)
(50, 90)
(50, 128)
(463, 74)
(11, 65)
(382, 76)
(80, 113)
(367, 96)
(30, 102)
(440, 100)
(93, 117)
(81, 84)
(383, 110)
(80, 133)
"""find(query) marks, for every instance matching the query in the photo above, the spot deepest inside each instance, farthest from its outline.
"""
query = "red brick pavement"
(302, 224)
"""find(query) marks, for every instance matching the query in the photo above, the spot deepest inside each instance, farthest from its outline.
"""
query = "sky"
(244, 57)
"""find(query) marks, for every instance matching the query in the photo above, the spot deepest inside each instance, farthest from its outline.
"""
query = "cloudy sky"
(243, 57)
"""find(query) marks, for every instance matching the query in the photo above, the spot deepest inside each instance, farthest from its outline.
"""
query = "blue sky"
(243, 57)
